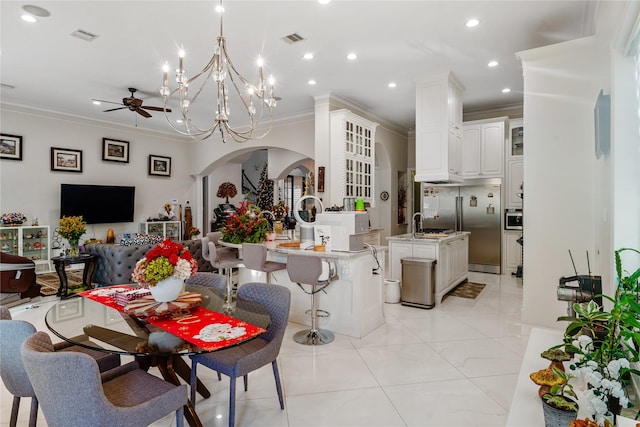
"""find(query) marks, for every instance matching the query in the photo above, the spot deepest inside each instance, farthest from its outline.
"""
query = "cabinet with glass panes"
(31, 242)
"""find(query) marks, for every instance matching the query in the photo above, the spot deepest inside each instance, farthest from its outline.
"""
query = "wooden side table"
(61, 262)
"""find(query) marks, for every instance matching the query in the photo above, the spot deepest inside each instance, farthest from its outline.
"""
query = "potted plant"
(72, 228)
(559, 409)
(246, 225)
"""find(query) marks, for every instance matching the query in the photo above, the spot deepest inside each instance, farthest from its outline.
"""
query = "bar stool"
(254, 257)
(224, 264)
(311, 270)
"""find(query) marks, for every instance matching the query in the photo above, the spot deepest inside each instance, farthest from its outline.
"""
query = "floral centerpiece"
(167, 259)
(246, 225)
(72, 228)
(280, 210)
(13, 218)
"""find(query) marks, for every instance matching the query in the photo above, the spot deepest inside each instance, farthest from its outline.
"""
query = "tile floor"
(454, 365)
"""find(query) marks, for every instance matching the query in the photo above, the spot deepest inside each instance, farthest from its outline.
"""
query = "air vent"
(6, 86)
(84, 35)
(293, 38)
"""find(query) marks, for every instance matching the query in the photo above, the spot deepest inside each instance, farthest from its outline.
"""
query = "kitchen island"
(450, 251)
(355, 301)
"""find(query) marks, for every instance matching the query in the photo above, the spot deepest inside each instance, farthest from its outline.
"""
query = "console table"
(61, 262)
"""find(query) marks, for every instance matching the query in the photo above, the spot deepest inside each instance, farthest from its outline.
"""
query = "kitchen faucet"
(413, 222)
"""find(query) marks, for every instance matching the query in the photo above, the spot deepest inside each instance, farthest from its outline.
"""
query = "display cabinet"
(516, 130)
(167, 229)
(32, 242)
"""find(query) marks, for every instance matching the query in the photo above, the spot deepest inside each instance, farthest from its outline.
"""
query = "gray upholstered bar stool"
(224, 264)
(311, 270)
(254, 257)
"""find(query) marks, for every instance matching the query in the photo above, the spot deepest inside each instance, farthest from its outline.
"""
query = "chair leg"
(180, 417)
(193, 381)
(276, 375)
(14, 411)
(33, 415)
(232, 402)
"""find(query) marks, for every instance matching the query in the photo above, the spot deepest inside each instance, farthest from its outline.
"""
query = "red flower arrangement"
(246, 225)
(165, 260)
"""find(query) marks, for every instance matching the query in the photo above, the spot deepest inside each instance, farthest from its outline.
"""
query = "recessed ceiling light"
(179, 121)
(492, 64)
(324, 1)
(506, 90)
(96, 102)
(472, 22)
(29, 18)
(36, 10)
(312, 82)
(391, 85)
(308, 55)
(219, 9)
(351, 56)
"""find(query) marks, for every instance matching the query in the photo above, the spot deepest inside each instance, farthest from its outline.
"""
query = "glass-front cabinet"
(31, 242)
(516, 147)
(167, 229)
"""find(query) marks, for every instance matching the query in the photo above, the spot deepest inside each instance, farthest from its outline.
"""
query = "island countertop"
(408, 237)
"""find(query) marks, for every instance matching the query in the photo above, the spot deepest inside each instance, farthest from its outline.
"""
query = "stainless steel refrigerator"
(472, 208)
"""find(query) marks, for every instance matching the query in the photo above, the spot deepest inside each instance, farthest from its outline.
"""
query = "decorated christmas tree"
(265, 191)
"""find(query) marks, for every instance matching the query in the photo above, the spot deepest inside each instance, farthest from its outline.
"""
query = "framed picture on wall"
(10, 147)
(159, 165)
(66, 160)
(114, 150)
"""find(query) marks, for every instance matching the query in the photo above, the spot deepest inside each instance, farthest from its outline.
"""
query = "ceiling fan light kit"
(255, 101)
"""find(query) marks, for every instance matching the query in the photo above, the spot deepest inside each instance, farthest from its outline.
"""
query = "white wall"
(29, 186)
(561, 84)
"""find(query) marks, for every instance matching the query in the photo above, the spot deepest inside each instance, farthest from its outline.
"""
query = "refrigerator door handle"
(460, 218)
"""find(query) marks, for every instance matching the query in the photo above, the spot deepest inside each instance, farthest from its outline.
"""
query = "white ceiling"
(397, 41)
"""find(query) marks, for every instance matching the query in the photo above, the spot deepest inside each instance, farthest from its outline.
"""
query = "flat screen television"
(98, 204)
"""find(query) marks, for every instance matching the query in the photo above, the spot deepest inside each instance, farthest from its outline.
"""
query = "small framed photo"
(10, 147)
(159, 165)
(66, 160)
(114, 150)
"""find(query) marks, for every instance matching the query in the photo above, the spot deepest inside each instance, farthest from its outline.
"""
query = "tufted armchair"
(115, 263)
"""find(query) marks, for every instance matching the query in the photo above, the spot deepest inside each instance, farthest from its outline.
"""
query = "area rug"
(50, 282)
(469, 290)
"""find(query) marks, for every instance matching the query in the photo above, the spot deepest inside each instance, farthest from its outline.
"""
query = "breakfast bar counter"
(355, 301)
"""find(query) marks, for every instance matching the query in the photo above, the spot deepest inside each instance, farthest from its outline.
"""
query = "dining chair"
(254, 257)
(72, 392)
(239, 360)
(14, 376)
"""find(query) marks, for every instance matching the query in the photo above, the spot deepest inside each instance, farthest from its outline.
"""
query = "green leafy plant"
(246, 225)
(558, 395)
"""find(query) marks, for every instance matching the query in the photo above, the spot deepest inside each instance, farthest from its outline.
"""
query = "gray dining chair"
(124, 396)
(14, 376)
(224, 262)
(246, 357)
(254, 257)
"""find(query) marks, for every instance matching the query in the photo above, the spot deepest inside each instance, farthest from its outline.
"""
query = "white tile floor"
(454, 365)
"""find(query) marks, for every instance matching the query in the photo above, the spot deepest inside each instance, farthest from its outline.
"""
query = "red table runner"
(207, 329)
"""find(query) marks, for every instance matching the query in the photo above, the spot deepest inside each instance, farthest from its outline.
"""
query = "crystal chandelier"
(256, 101)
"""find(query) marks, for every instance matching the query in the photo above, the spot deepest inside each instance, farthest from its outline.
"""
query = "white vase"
(167, 290)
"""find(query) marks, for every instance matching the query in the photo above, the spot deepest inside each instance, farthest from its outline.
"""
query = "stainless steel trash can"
(418, 282)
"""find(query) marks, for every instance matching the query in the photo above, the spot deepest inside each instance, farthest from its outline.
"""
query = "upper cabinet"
(352, 147)
(439, 129)
(483, 144)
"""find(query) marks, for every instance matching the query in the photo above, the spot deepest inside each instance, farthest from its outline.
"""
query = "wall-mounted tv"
(98, 204)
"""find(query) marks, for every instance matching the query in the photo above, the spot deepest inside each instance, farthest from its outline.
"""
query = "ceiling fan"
(134, 104)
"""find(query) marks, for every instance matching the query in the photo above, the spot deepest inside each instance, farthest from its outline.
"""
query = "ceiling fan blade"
(143, 113)
(114, 109)
(108, 102)
(156, 109)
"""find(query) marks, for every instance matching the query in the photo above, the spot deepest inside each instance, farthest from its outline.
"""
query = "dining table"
(157, 334)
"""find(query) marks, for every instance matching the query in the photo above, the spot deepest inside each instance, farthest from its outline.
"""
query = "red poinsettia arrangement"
(165, 260)
(246, 225)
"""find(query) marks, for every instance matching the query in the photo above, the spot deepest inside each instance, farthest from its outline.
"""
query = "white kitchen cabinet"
(513, 251)
(352, 157)
(516, 138)
(515, 181)
(451, 255)
(439, 129)
(483, 145)
(31, 242)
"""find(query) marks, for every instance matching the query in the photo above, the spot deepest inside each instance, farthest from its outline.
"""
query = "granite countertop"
(429, 238)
